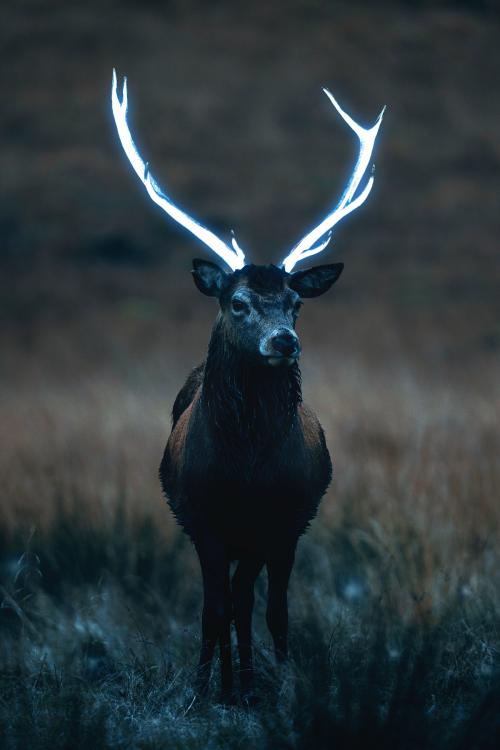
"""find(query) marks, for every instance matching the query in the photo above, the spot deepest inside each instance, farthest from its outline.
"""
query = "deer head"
(259, 306)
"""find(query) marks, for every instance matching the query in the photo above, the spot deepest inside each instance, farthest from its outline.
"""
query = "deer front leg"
(243, 599)
(279, 568)
(216, 615)
(226, 666)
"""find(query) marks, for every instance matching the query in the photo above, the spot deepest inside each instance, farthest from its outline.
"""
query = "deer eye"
(296, 307)
(237, 305)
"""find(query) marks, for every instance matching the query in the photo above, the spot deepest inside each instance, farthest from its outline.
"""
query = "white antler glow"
(313, 242)
(233, 257)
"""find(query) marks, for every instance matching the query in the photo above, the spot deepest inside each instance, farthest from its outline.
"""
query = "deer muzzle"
(281, 347)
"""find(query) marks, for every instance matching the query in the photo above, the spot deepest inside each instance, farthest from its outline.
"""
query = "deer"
(246, 464)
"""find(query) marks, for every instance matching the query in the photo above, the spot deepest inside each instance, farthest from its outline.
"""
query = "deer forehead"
(264, 300)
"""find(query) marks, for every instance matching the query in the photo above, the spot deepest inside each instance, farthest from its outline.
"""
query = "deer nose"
(285, 343)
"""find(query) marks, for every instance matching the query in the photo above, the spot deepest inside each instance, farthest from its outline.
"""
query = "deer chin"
(281, 361)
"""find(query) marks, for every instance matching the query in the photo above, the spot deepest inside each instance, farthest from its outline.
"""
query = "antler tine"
(311, 244)
(233, 257)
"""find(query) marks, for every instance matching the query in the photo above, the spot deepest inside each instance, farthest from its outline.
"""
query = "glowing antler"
(315, 241)
(233, 257)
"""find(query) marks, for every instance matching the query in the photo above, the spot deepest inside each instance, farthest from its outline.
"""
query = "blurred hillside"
(226, 104)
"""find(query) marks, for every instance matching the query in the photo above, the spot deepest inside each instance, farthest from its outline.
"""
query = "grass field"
(395, 596)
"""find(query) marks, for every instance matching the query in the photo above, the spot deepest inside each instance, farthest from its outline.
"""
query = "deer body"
(253, 462)
(246, 464)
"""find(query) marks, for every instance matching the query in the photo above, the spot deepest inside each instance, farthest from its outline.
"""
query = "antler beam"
(233, 257)
(314, 242)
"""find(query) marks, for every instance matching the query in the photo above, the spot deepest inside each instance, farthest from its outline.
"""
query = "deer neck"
(248, 403)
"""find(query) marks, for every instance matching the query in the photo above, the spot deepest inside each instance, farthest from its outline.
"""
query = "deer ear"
(315, 281)
(208, 277)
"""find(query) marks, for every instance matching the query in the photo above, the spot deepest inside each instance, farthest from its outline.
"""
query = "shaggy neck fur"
(250, 406)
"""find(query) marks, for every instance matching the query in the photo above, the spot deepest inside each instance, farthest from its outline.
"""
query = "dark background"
(394, 598)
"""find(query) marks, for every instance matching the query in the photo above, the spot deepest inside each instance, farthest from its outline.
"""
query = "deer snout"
(286, 343)
(282, 347)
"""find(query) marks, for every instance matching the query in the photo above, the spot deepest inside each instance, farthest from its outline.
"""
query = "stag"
(246, 463)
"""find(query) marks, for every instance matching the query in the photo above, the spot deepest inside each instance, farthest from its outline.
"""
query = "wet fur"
(247, 458)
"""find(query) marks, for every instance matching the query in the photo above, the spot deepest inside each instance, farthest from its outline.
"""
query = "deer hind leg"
(216, 617)
(243, 599)
(279, 568)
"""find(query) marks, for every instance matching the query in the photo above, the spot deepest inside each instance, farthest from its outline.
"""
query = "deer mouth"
(281, 361)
